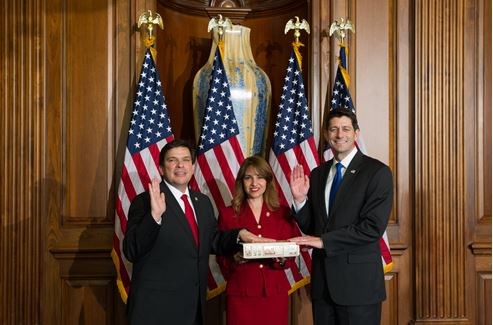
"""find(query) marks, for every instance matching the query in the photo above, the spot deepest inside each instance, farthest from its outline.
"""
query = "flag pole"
(340, 28)
(293, 143)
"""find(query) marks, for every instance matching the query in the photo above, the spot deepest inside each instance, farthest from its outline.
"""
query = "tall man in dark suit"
(344, 207)
(170, 232)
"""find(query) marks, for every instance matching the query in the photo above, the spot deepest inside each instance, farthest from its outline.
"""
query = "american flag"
(219, 155)
(149, 131)
(293, 144)
(341, 98)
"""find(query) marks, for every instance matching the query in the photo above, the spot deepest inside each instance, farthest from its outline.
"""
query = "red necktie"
(191, 219)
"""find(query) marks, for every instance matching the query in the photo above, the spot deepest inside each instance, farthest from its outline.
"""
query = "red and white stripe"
(305, 154)
(215, 174)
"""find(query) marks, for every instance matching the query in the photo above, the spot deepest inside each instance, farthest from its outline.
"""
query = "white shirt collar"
(347, 160)
(176, 192)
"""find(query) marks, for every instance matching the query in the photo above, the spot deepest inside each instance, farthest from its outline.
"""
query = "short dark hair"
(340, 112)
(176, 143)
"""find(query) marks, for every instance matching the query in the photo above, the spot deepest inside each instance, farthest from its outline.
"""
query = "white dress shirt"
(332, 173)
(177, 194)
(345, 163)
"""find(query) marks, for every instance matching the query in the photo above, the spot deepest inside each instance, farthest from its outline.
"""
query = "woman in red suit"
(257, 289)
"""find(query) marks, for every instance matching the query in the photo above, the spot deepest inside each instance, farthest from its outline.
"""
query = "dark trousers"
(327, 312)
(198, 315)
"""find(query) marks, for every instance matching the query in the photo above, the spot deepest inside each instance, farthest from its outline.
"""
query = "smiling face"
(254, 185)
(341, 136)
(178, 167)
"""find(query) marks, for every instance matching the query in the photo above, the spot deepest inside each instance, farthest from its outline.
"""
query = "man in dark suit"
(344, 208)
(168, 240)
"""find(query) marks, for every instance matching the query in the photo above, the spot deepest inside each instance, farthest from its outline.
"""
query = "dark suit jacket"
(169, 277)
(349, 266)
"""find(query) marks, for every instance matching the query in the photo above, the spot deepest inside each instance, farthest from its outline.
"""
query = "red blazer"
(258, 277)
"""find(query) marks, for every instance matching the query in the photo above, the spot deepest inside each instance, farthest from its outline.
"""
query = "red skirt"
(272, 310)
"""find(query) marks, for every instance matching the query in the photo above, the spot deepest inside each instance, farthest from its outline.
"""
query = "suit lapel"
(175, 211)
(321, 188)
(348, 179)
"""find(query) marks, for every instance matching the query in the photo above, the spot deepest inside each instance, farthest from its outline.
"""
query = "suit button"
(261, 266)
(260, 235)
(259, 226)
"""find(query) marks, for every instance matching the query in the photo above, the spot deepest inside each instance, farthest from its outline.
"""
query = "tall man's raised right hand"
(299, 184)
(158, 203)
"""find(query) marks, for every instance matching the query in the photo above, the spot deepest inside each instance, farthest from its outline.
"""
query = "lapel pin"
(353, 171)
(195, 198)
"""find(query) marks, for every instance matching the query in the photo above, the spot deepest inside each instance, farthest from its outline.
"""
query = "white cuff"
(298, 207)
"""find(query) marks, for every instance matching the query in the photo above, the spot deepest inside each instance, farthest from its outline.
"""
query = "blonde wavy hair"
(270, 196)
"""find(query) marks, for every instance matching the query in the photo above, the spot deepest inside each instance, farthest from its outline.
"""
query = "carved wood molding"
(22, 144)
(235, 14)
(84, 263)
(440, 186)
(61, 253)
(480, 248)
(252, 8)
(398, 249)
(449, 321)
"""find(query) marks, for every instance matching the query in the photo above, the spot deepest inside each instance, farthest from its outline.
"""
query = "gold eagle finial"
(296, 24)
(220, 23)
(340, 27)
(150, 19)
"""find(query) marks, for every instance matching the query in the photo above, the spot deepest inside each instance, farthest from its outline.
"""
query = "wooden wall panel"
(484, 115)
(484, 298)
(477, 95)
(83, 303)
(90, 60)
(390, 308)
(87, 286)
(21, 141)
(482, 294)
(372, 99)
(449, 161)
(477, 151)
(87, 120)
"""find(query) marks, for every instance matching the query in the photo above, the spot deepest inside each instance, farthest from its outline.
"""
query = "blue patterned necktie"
(336, 182)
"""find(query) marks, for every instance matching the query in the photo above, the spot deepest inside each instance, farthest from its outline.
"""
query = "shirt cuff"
(298, 207)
